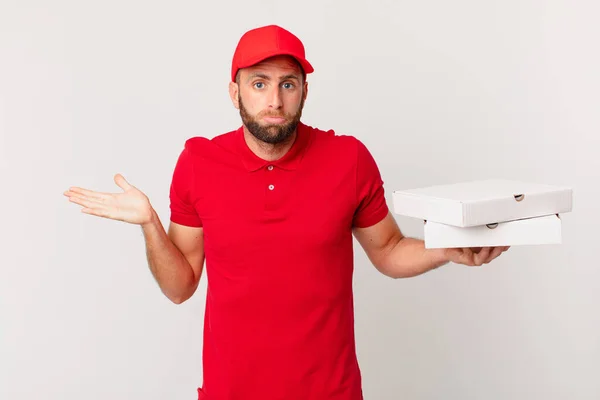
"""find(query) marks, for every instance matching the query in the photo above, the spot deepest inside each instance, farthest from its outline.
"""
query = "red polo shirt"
(279, 319)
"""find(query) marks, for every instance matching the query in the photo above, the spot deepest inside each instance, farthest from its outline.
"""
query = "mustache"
(274, 115)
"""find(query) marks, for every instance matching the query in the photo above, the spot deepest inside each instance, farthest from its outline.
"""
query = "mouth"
(275, 120)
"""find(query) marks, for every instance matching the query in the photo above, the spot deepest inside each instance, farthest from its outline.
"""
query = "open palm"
(131, 206)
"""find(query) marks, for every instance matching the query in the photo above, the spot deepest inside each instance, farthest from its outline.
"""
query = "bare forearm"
(408, 257)
(172, 271)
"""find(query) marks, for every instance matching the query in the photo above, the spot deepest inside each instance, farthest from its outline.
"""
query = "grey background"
(439, 91)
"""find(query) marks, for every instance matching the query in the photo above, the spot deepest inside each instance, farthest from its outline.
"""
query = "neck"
(268, 151)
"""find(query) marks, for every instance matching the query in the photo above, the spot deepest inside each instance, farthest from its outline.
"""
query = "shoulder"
(336, 142)
(202, 145)
(331, 137)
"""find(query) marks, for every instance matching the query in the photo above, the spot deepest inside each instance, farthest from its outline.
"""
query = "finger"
(87, 202)
(467, 257)
(121, 182)
(98, 212)
(495, 253)
(87, 193)
(481, 256)
(79, 196)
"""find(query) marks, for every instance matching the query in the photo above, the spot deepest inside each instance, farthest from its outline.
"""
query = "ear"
(305, 90)
(234, 91)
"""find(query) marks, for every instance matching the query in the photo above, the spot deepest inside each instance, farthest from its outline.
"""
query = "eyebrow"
(268, 78)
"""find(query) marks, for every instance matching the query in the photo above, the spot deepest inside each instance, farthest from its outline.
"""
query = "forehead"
(276, 65)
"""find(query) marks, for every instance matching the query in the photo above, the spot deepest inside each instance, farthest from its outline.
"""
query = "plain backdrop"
(439, 91)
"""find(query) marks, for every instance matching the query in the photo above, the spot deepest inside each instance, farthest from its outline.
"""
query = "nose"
(275, 98)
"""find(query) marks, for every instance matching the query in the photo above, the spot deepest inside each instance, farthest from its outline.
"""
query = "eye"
(259, 85)
(288, 85)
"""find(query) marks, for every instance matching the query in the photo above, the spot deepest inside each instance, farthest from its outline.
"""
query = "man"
(272, 208)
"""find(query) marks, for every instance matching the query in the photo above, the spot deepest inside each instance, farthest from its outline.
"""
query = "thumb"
(121, 182)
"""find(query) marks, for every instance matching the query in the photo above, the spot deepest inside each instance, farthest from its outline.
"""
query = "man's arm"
(397, 256)
(176, 259)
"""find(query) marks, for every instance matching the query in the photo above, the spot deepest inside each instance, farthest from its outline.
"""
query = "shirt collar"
(290, 160)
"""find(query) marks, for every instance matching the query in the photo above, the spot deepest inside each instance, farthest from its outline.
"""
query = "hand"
(474, 256)
(132, 206)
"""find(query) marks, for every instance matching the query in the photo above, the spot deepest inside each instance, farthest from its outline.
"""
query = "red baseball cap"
(261, 43)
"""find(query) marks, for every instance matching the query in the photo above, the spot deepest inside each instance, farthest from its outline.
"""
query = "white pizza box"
(476, 203)
(528, 231)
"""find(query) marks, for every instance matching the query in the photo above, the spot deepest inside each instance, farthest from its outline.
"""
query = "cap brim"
(306, 66)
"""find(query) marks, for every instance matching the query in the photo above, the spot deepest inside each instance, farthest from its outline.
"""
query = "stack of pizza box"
(485, 213)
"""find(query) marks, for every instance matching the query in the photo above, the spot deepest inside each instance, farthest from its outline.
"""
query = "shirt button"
(271, 187)
(270, 168)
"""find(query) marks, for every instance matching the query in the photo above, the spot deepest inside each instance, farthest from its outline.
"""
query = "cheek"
(252, 104)
(293, 100)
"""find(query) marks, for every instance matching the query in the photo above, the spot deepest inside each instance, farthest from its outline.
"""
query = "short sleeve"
(371, 204)
(181, 194)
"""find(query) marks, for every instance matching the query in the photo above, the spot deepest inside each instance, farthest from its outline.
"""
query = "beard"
(271, 133)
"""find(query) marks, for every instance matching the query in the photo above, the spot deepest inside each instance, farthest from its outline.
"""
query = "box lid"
(482, 202)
